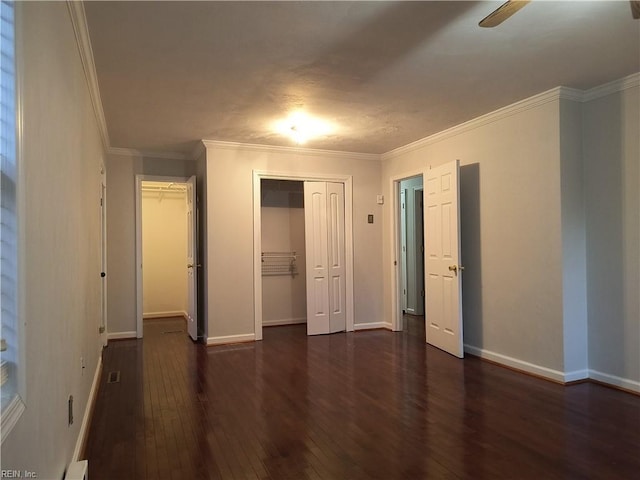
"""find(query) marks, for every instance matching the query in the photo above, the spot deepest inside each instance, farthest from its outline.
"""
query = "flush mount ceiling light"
(301, 127)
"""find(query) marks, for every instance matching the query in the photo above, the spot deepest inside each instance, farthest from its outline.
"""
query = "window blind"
(8, 207)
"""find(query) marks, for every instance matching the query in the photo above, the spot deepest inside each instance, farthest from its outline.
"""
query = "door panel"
(337, 297)
(315, 201)
(192, 300)
(325, 250)
(442, 263)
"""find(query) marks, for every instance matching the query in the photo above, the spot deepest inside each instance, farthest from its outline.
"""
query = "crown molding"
(499, 114)
(289, 150)
(132, 152)
(83, 41)
(630, 81)
(558, 93)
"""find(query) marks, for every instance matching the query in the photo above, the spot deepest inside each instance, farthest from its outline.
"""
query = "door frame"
(396, 242)
(139, 178)
(347, 181)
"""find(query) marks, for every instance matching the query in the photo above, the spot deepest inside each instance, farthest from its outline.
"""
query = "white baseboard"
(177, 313)
(576, 375)
(371, 326)
(86, 418)
(284, 321)
(226, 339)
(514, 363)
(121, 335)
(616, 381)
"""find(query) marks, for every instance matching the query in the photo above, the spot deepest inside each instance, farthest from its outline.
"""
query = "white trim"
(372, 326)
(625, 383)
(132, 152)
(347, 180)
(86, 418)
(121, 335)
(516, 364)
(630, 81)
(499, 114)
(534, 101)
(11, 415)
(576, 375)
(228, 339)
(138, 218)
(83, 41)
(176, 313)
(284, 321)
(289, 150)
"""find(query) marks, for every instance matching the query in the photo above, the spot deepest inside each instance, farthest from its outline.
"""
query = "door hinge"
(101, 329)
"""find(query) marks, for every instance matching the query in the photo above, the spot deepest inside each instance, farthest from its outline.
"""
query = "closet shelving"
(279, 263)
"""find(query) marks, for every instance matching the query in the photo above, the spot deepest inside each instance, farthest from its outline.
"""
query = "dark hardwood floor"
(365, 405)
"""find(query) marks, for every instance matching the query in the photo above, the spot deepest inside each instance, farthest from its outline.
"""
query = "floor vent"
(114, 377)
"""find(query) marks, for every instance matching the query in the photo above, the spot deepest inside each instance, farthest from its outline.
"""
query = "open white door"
(442, 263)
(192, 274)
(325, 257)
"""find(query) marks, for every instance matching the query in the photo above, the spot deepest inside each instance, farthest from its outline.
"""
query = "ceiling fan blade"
(635, 8)
(503, 12)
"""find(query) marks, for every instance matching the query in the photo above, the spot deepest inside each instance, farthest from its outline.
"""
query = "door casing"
(347, 181)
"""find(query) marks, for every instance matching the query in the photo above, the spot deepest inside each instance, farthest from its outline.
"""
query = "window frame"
(15, 407)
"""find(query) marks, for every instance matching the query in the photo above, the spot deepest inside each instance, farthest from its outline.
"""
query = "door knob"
(455, 268)
(189, 265)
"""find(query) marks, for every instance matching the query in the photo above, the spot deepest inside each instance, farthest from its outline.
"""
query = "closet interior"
(164, 249)
(284, 300)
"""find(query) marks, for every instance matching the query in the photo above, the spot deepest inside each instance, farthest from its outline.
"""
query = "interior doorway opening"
(412, 245)
(284, 294)
(442, 271)
(165, 251)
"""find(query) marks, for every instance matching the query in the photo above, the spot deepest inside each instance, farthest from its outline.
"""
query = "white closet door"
(192, 293)
(325, 252)
(442, 263)
(335, 232)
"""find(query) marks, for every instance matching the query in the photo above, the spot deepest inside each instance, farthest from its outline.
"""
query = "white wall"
(61, 165)
(164, 253)
(510, 228)
(612, 177)
(230, 229)
(284, 296)
(574, 276)
(121, 232)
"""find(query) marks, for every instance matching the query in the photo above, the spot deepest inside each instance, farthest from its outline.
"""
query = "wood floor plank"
(365, 405)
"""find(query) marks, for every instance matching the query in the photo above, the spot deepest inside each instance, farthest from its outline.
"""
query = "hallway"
(371, 404)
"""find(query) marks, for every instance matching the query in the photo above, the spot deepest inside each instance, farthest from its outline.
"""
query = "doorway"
(165, 251)
(442, 274)
(412, 244)
(345, 185)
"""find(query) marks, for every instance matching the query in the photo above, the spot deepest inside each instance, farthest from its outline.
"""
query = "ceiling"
(385, 73)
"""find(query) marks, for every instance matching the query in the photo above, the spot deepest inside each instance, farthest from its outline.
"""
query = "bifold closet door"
(325, 252)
